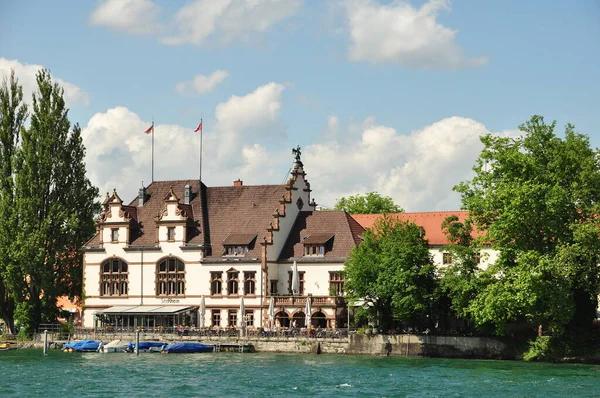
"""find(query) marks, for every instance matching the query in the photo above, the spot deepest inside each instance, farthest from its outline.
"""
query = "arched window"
(249, 283)
(170, 277)
(232, 282)
(114, 278)
(216, 283)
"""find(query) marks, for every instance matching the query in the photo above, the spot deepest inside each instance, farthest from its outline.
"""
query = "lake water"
(27, 373)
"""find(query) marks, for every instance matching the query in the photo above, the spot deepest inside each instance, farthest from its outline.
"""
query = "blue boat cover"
(187, 347)
(146, 345)
(83, 345)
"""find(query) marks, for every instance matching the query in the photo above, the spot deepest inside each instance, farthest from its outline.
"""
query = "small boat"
(147, 346)
(113, 346)
(187, 347)
(82, 346)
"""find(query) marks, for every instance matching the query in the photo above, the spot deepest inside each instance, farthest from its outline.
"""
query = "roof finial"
(296, 152)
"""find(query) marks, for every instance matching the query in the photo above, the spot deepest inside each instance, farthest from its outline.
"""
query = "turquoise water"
(27, 373)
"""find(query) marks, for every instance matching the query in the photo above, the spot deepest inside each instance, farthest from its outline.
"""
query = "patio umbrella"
(272, 312)
(242, 310)
(201, 311)
(307, 310)
(295, 280)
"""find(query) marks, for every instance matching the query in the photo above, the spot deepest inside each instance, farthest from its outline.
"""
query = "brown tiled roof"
(431, 222)
(239, 239)
(246, 209)
(336, 223)
(223, 211)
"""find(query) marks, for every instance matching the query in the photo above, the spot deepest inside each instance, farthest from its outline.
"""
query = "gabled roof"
(217, 214)
(431, 222)
(341, 231)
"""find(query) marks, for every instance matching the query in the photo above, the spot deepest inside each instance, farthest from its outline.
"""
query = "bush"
(539, 349)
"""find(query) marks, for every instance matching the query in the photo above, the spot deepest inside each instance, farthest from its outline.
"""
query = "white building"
(157, 261)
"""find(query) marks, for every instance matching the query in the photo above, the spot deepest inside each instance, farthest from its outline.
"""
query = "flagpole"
(152, 148)
(200, 174)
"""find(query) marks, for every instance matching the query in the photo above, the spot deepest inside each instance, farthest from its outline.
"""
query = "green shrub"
(539, 349)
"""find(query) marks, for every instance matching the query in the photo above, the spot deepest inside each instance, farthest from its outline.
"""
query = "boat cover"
(187, 347)
(83, 345)
(146, 345)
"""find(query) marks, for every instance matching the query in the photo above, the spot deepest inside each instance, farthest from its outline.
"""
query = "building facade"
(183, 253)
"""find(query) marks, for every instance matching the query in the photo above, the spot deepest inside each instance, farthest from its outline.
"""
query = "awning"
(146, 310)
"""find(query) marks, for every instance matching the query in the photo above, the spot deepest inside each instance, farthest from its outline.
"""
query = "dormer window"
(114, 235)
(314, 250)
(317, 244)
(236, 250)
(238, 245)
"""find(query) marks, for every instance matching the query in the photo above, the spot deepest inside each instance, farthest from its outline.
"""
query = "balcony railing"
(316, 300)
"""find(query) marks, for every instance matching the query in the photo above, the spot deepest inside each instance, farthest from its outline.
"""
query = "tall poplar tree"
(13, 113)
(55, 202)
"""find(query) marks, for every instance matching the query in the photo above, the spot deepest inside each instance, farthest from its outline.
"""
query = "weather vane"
(297, 153)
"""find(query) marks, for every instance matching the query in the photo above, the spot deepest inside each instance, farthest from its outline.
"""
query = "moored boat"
(187, 347)
(147, 346)
(5, 346)
(113, 346)
(82, 346)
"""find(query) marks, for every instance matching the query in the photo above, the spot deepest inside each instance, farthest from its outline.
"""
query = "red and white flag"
(199, 128)
(150, 129)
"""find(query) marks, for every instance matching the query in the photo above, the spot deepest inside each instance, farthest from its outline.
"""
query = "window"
(216, 318)
(171, 234)
(232, 282)
(446, 258)
(477, 258)
(249, 282)
(300, 282)
(336, 284)
(236, 250)
(114, 235)
(249, 317)
(233, 318)
(216, 283)
(314, 250)
(274, 288)
(170, 277)
(114, 278)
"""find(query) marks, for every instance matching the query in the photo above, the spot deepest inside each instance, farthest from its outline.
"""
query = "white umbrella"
(242, 310)
(295, 280)
(307, 310)
(272, 312)
(201, 311)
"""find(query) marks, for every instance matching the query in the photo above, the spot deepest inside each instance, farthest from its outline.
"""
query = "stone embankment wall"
(395, 345)
(428, 346)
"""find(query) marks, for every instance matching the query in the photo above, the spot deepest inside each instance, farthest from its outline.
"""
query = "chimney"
(188, 194)
(141, 196)
(238, 183)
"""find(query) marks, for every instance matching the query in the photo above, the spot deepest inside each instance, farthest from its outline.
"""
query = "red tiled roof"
(239, 239)
(431, 222)
(317, 239)
(346, 234)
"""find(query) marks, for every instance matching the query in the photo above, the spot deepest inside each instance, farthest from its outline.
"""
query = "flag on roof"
(199, 128)
(150, 129)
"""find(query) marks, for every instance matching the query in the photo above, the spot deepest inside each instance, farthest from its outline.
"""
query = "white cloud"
(402, 34)
(132, 16)
(73, 94)
(119, 153)
(418, 170)
(201, 84)
(227, 20)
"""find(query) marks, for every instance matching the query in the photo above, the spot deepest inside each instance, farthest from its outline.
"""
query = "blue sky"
(383, 96)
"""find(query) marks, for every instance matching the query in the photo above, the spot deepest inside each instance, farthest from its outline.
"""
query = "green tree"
(13, 114)
(55, 202)
(391, 272)
(370, 203)
(459, 281)
(536, 198)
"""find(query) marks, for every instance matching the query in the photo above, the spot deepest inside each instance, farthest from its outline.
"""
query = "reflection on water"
(59, 374)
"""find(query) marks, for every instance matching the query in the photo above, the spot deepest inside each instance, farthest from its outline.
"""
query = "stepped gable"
(320, 225)
(144, 233)
(237, 213)
(431, 222)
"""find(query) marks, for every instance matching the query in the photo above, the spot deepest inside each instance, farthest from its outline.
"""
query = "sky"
(385, 96)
